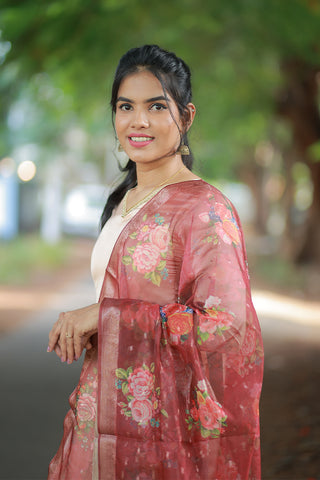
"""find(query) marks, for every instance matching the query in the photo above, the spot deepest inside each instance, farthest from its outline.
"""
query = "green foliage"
(63, 55)
(20, 258)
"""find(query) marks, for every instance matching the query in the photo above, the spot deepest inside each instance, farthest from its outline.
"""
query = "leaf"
(155, 279)
(122, 404)
(152, 367)
(126, 260)
(131, 250)
(144, 218)
(125, 388)
(129, 370)
(205, 433)
(121, 373)
(133, 235)
(161, 265)
(147, 275)
(190, 427)
(204, 335)
(158, 391)
(164, 412)
(128, 413)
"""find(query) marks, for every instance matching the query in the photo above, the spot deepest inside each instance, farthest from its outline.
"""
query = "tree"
(239, 51)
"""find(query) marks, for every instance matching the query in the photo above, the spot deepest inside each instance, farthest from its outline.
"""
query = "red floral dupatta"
(180, 355)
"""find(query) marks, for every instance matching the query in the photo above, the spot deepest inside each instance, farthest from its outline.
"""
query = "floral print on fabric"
(178, 320)
(252, 354)
(138, 386)
(148, 256)
(86, 409)
(221, 217)
(214, 321)
(205, 413)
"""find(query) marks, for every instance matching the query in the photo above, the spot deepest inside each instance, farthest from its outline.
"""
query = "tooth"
(140, 139)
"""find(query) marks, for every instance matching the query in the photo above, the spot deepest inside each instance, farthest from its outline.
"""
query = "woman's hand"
(72, 331)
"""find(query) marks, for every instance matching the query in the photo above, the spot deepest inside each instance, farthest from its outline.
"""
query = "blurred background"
(256, 84)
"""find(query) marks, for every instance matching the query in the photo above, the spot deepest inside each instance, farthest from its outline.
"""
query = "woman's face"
(147, 130)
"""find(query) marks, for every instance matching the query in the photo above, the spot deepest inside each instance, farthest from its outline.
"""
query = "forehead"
(140, 85)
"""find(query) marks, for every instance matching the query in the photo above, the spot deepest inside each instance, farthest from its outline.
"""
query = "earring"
(184, 149)
(120, 148)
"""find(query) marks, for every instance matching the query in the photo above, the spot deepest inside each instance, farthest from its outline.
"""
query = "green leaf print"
(126, 260)
(121, 373)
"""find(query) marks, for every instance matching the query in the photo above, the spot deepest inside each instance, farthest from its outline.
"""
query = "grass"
(26, 255)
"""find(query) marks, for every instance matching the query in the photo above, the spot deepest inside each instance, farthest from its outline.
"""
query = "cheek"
(119, 124)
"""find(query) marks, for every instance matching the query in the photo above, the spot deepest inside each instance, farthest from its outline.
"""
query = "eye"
(158, 107)
(125, 107)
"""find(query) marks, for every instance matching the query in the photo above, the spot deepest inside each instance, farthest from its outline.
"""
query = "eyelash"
(126, 107)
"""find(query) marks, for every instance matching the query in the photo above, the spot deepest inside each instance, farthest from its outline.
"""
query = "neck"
(149, 177)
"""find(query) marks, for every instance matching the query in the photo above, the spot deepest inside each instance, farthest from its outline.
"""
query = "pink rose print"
(140, 383)
(212, 302)
(204, 217)
(143, 403)
(159, 236)
(141, 411)
(146, 257)
(228, 232)
(86, 407)
(222, 211)
(207, 324)
(210, 413)
(249, 343)
(145, 232)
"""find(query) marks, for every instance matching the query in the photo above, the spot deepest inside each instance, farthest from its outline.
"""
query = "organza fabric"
(176, 377)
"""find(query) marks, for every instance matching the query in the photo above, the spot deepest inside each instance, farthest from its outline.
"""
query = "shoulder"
(197, 194)
(206, 212)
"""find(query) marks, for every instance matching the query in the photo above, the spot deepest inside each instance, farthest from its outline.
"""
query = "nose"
(140, 118)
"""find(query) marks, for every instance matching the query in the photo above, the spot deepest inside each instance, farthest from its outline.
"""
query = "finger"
(70, 347)
(57, 350)
(78, 343)
(63, 339)
(54, 335)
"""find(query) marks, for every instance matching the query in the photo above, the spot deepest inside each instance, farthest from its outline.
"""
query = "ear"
(192, 111)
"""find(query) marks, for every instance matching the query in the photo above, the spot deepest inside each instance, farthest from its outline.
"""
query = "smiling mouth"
(139, 142)
(141, 139)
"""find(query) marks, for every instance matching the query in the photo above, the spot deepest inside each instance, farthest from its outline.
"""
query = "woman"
(172, 376)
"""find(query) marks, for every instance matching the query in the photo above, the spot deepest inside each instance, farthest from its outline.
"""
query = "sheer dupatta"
(180, 354)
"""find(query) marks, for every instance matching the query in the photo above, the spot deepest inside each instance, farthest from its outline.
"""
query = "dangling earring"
(120, 148)
(184, 149)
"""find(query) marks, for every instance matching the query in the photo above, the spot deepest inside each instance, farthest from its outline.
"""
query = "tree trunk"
(298, 104)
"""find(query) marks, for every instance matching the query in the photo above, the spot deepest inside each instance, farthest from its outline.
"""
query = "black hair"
(175, 78)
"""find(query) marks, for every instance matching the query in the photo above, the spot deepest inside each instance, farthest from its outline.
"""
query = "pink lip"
(140, 144)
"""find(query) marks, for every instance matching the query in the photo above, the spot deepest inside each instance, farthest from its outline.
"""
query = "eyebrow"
(148, 100)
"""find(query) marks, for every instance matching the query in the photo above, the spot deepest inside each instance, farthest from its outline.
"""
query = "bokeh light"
(26, 170)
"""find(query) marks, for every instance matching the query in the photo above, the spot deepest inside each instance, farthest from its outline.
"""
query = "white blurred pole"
(51, 204)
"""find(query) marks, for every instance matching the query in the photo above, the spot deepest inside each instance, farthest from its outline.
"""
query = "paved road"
(35, 385)
(34, 390)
